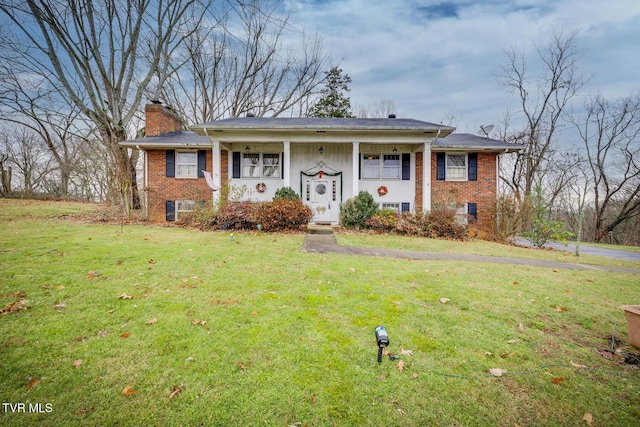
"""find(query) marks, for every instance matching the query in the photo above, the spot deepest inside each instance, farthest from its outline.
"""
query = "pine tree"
(333, 102)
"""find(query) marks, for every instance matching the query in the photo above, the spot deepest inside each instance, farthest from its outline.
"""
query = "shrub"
(235, 215)
(286, 193)
(355, 211)
(545, 231)
(282, 214)
(382, 221)
(440, 222)
(444, 223)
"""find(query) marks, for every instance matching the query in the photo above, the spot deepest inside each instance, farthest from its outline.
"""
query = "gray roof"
(315, 123)
(466, 141)
(182, 139)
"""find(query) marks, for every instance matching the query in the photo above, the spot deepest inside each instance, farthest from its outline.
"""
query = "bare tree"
(101, 56)
(376, 109)
(242, 63)
(610, 132)
(542, 102)
(25, 150)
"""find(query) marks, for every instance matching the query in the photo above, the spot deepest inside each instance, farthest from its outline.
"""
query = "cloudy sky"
(436, 59)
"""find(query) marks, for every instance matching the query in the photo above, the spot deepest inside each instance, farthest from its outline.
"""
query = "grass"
(479, 247)
(252, 331)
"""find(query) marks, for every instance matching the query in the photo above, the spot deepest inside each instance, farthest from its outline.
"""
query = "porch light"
(395, 149)
(321, 150)
(247, 149)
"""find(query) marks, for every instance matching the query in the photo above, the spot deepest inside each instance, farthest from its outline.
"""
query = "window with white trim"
(186, 164)
(261, 165)
(456, 165)
(183, 207)
(390, 206)
(377, 166)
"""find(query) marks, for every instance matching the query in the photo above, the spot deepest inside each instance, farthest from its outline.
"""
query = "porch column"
(217, 169)
(426, 177)
(286, 163)
(355, 168)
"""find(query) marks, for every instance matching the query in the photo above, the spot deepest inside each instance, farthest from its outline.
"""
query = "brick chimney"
(161, 120)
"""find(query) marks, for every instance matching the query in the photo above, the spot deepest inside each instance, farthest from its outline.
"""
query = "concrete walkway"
(320, 239)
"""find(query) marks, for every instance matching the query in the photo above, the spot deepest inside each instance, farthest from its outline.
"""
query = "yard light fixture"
(321, 150)
(247, 149)
(382, 339)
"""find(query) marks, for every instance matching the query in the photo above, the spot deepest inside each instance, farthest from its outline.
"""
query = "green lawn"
(208, 330)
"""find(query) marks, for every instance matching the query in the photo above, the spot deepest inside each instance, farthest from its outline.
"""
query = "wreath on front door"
(382, 190)
(261, 187)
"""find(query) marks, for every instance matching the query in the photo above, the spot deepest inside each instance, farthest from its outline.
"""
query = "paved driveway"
(585, 250)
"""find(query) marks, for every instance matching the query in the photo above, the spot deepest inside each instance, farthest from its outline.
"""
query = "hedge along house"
(325, 160)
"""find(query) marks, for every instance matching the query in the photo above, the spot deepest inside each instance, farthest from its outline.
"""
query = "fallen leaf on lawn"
(397, 302)
(406, 352)
(555, 270)
(241, 366)
(515, 282)
(513, 341)
(175, 391)
(382, 377)
(59, 305)
(151, 261)
(254, 313)
(557, 380)
(577, 365)
(314, 399)
(91, 275)
(444, 300)
(77, 363)
(588, 418)
(560, 309)
(400, 365)
(568, 292)
(520, 327)
(128, 391)
(497, 372)
(125, 335)
(400, 411)
(152, 321)
(61, 287)
(125, 296)
(102, 333)
(199, 322)
(415, 375)
(33, 381)
(488, 353)
(15, 306)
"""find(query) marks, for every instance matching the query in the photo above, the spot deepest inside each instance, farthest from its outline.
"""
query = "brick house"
(325, 160)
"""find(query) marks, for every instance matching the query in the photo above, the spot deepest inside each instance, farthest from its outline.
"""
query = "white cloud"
(435, 57)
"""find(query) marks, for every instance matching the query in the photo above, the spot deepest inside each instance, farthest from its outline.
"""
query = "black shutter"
(236, 164)
(171, 163)
(441, 166)
(171, 210)
(202, 162)
(473, 166)
(472, 210)
(405, 207)
(406, 166)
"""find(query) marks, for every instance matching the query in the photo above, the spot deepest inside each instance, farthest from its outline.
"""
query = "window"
(260, 165)
(465, 212)
(373, 168)
(456, 165)
(370, 166)
(187, 164)
(183, 207)
(390, 206)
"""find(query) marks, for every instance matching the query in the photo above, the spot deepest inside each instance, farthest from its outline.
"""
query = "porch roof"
(315, 124)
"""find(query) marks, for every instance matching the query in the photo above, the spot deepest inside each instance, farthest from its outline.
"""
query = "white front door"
(323, 197)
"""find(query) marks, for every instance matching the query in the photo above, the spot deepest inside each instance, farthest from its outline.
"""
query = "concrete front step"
(319, 229)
